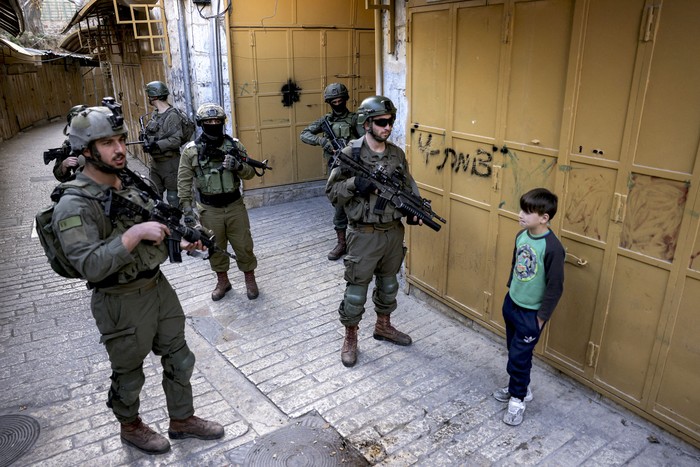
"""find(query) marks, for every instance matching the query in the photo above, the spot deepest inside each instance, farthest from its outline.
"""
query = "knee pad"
(126, 387)
(179, 365)
(386, 290)
(172, 198)
(355, 298)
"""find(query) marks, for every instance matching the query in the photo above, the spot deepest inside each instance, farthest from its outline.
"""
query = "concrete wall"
(202, 62)
(394, 74)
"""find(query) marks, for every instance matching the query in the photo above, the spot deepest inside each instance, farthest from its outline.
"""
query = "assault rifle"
(142, 133)
(255, 164)
(391, 188)
(57, 153)
(167, 215)
(338, 143)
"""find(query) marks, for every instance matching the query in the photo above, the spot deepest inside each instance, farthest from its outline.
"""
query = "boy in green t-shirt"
(535, 285)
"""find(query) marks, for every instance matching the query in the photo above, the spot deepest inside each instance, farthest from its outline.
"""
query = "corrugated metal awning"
(11, 17)
(13, 53)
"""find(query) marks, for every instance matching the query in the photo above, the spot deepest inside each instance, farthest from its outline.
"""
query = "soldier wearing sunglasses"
(375, 232)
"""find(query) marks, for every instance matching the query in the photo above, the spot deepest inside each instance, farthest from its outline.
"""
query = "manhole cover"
(307, 441)
(18, 433)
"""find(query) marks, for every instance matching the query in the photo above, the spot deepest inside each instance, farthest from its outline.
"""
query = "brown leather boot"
(251, 287)
(222, 286)
(340, 248)
(140, 436)
(195, 427)
(348, 355)
(384, 331)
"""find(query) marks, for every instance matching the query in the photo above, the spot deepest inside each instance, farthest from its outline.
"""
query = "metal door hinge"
(252, 38)
(618, 208)
(592, 353)
(507, 24)
(487, 301)
(649, 23)
(496, 179)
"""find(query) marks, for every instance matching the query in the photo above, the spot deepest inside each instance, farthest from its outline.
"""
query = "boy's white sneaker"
(514, 414)
(502, 395)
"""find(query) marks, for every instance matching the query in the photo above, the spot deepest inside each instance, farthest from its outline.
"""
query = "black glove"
(326, 144)
(410, 221)
(150, 146)
(364, 186)
(231, 163)
(190, 219)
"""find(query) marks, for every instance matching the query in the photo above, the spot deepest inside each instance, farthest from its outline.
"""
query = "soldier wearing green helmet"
(162, 140)
(119, 254)
(344, 125)
(375, 234)
(65, 167)
(209, 166)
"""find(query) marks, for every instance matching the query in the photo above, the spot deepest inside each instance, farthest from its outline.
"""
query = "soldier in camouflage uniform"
(64, 167)
(344, 124)
(135, 308)
(375, 241)
(162, 140)
(209, 168)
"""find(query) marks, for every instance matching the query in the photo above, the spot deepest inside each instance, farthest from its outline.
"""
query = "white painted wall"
(394, 74)
(200, 42)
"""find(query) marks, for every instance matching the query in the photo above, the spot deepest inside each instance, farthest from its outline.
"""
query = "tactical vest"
(212, 178)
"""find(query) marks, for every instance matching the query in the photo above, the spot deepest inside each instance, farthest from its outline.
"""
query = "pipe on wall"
(185, 57)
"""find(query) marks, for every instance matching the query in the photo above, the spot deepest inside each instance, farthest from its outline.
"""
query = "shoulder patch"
(69, 223)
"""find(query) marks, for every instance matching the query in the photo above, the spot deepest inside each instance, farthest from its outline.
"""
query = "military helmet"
(334, 91)
(373, 106)
(94, 123)
(209, 111)
(156, 89)
(72, 113)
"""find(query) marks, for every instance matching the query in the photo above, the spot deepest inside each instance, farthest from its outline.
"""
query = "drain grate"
(18, 433)
(307, 441)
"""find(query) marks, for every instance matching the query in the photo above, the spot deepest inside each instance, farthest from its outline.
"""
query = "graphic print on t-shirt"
(525, 263)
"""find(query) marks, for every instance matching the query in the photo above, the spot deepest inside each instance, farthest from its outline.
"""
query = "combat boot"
(195, 427)
(251, 287)
(222, 286)
(140, 436)
(340, 248)
(384, 331)
(348, 355)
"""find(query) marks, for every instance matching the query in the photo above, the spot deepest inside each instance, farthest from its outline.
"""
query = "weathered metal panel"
(540, 52)
(279, 75)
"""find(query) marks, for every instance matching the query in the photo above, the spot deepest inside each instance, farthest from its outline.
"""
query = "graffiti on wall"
(653, 216)
(480, 164)
(290, 93)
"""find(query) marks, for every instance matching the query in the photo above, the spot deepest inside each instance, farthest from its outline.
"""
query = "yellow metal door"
(279, 73)
(586, 99)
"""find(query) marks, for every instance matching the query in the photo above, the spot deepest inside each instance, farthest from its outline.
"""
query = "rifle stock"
(391, 190)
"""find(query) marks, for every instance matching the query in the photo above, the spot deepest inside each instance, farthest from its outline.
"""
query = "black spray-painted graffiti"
(290, 93)
(480, 164)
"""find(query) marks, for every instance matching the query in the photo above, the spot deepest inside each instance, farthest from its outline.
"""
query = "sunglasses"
(383, 122)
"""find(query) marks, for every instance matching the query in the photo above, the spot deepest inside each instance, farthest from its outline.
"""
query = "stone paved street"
(263, 363)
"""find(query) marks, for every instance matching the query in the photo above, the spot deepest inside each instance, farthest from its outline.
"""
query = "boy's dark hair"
(539, 200)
